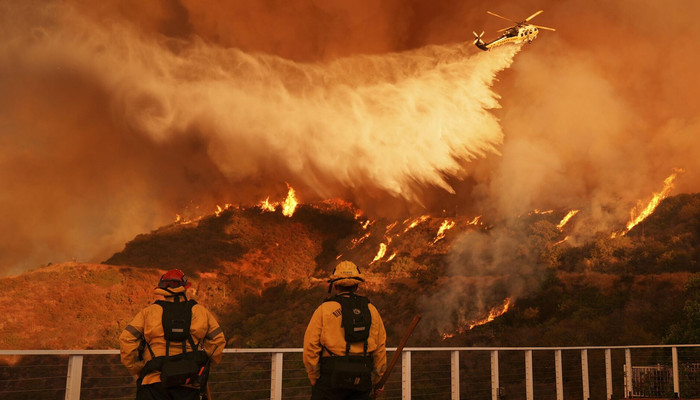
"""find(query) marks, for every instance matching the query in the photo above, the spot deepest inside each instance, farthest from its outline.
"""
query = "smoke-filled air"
(116, 116)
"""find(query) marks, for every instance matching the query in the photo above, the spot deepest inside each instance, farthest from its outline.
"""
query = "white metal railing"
(630, 375)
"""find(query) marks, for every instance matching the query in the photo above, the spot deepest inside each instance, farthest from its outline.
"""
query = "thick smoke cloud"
(116, 115)
(590, 123)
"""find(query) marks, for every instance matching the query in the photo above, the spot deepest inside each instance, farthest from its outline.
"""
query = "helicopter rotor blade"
(534, 15)
(545, 27)
(505, 29)
(478, 37)
(502, 17)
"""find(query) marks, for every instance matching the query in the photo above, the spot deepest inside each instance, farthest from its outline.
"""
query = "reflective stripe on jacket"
(325, 330)
(148, 324)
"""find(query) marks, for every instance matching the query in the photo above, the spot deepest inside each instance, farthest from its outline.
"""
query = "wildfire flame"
(290, 203)
(537, 211)
(567, 218)
(391, 257)
(220, 209)
(183, 221)
(560, 242)
(475, 221)
(380, 253)
(446, 225)
(493, 314)
(359, 240)
(415, 222)
(265, 205)
(638, 216)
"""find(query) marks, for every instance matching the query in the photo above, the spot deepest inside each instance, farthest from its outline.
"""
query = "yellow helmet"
(346, 273)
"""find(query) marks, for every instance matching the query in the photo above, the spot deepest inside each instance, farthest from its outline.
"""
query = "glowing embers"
(289, 204)
(639, 213)
(494, 313)
(540, 212)
(180, 220)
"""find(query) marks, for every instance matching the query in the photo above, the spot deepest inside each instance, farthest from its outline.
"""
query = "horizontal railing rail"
(584, 372)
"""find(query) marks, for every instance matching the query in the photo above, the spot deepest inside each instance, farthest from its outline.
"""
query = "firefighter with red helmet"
(171, 344)
(345, 341)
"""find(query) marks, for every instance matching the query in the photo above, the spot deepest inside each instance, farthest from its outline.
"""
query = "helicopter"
(519, 33)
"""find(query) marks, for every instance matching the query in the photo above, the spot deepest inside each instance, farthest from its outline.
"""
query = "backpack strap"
(176, 320)
(350, 304)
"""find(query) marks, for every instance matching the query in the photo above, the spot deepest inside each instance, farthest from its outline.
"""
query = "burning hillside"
(271, 241)
(262, 272)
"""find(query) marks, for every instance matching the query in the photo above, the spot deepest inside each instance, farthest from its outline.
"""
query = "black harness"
(356, 319)
(188, 366)
(351, 372)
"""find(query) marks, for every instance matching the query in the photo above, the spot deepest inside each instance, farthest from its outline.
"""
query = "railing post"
(529, 388)
(676, 377)
(454, 363)
(75, 375)
(406, 375)
(628, 373)
(495, 384)
(558, 375)
(584, 375)
(276, 376)
(608, 374)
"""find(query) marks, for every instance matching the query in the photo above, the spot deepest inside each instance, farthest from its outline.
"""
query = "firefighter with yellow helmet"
(171, 344)
(345, 341)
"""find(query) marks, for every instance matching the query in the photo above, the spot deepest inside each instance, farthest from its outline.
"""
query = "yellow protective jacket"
(148, 324)
(325, 330)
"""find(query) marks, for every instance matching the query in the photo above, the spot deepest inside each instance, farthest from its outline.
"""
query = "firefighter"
(340, 365)
(145, 345)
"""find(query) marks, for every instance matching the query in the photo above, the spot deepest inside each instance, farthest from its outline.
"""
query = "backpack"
(183, 368)
(352, 372)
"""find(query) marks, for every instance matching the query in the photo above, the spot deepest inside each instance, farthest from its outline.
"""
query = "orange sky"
(116, 115)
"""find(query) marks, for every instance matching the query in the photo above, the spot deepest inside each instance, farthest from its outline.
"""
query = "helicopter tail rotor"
(478, 37)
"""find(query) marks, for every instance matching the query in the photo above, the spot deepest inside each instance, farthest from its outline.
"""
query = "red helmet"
(173, 279)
